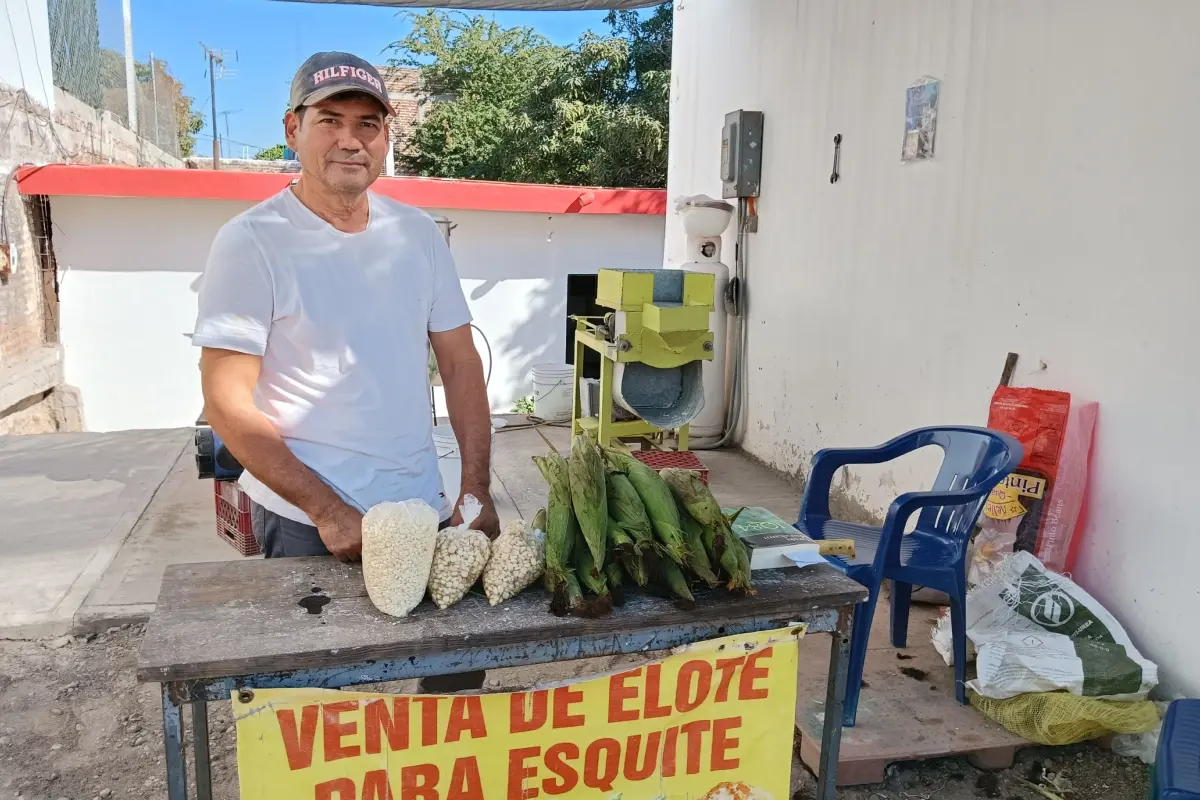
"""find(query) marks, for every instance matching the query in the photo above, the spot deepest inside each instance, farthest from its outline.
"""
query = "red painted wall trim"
(79, 180)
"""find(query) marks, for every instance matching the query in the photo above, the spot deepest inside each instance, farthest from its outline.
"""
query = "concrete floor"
(69, 502)
(177, 527)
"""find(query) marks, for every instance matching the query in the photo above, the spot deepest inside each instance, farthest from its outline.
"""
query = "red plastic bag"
(1051, 480)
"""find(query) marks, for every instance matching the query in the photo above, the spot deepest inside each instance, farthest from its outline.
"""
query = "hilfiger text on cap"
(345, 71)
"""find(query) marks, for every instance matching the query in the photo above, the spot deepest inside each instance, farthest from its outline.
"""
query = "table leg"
(835, 700)
(200, 749)
(173, 741)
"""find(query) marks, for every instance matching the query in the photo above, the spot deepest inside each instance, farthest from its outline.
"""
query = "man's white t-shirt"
(341, 321)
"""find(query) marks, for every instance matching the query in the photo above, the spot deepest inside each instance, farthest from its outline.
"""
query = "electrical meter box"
(741, 154)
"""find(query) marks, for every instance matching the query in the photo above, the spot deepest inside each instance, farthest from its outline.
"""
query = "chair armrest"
(826, 463)
(904, 506)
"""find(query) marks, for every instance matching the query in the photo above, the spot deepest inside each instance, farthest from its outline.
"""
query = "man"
(316, 309)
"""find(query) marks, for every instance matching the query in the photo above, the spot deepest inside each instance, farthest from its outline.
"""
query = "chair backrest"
(974, 458)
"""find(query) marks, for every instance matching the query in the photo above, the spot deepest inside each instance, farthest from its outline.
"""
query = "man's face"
(342, 140)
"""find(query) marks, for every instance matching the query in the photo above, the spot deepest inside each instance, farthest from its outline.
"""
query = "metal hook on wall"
(837, 158)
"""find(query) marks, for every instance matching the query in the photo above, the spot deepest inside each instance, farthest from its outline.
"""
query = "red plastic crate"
(673, 459)
(233, 517)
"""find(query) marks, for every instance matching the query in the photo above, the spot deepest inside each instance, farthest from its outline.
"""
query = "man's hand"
(341, 531)
(487, 521)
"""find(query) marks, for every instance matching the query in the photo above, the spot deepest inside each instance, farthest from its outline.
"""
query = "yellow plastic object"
(836, 547)
(624, 291)
(1058, 718)
(670, 319)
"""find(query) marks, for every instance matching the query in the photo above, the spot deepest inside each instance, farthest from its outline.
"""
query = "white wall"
(130, 270)
(25, 49)
(1058, 221)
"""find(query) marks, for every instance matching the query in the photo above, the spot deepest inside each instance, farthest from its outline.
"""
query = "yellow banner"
(712, 720)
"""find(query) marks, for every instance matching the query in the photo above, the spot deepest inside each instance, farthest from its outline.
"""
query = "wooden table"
(222, 627)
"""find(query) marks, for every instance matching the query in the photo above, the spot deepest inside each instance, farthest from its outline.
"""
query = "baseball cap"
(326, 74)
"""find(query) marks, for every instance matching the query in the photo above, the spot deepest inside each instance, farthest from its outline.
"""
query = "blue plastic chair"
(1177, 761)
(933, 555)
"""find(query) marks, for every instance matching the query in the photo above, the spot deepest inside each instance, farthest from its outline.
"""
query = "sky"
(272, 38)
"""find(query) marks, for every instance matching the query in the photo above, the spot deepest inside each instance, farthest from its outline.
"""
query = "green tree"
(190, 123)
(272, 153)
(188, 120)
(509, 105)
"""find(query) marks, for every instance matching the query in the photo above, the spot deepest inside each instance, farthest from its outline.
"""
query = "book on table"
(769, 538)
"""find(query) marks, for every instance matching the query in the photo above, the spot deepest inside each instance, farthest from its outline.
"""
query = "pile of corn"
(611, 521)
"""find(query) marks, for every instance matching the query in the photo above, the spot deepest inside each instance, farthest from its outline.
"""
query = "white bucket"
(450, 460)
(553, 398)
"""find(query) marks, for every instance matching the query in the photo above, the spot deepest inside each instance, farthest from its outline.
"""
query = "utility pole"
(130, 75)
(215, 59)
(154, 95)
(226, 114)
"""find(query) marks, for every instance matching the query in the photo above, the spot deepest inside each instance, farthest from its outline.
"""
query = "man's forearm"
(471, 418)
(259, 448)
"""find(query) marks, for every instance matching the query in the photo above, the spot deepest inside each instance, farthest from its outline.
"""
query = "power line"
(216, 60)
(234, 141)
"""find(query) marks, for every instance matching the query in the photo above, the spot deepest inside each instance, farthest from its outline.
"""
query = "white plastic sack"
(397, 551)
(1037, 631)
(459, 557)
(1142, 746)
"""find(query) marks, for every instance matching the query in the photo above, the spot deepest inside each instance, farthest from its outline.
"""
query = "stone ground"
(75, 724)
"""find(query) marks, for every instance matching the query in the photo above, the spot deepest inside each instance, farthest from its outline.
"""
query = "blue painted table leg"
(200, 745)
(173, 741)
(835, 700)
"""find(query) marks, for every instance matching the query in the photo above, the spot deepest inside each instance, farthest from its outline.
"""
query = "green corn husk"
(569, 598)
(589, 496)
(574, 591)
(691, 493)
(707, 536)
(673, 578)
(559, 519)
(657, 499)
(590, 574)
(593, 580)
(698, 559)
(616, 583)
(628, 552)
(727, 549)
(625, 506)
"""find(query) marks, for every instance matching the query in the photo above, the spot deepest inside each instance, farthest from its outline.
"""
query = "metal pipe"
(130, 75)
(734, 402)
(835, 703)
(200, 749)
(173, 743)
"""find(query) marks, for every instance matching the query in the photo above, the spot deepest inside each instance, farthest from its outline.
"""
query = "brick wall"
(408, 98)
(31, 391)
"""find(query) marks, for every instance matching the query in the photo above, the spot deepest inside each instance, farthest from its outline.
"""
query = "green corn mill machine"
(652, 346)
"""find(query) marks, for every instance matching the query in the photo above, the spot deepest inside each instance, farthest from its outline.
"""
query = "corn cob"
(698, 560)
(593, 580)
(589, 497)
(570, 598)
(671, 575)
(616, 583)
(591, 577)
(727, 548)
(625, 506)
(628, 552)
(707, 534)
(656, 497)
(558, 520)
